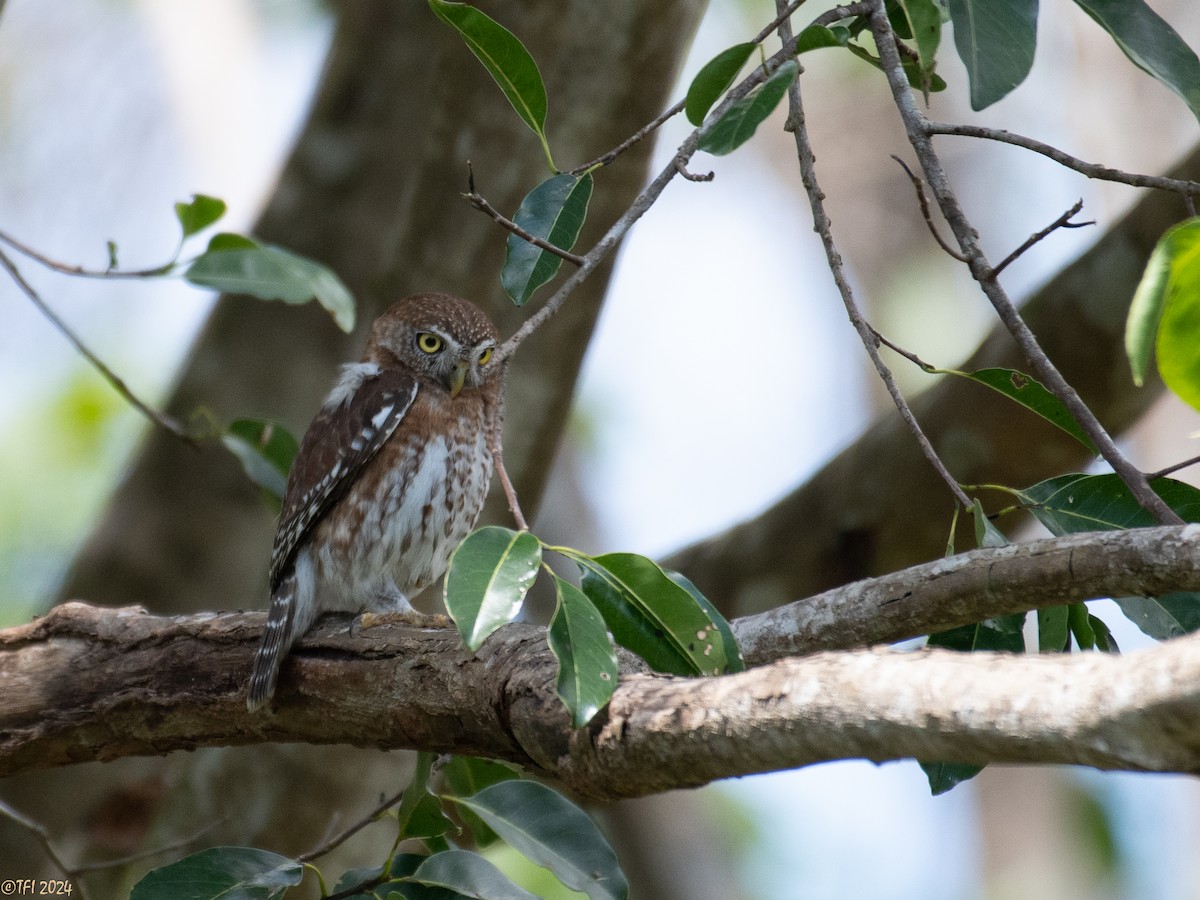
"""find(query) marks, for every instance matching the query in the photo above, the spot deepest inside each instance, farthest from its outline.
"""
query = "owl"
(390, 476)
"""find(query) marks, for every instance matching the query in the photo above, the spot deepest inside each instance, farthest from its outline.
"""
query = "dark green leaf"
(553, 211)
(1081, 628)
(996, 40)
(1151, 44)
(651, 615)
(419, 814)
(1165, 312)
(199, 213)
(714, 79)
(926, 82)
(1003, 633)
(552, 832)
(467, 775)
(505, 58)
(1073, 503)
(1105, 642)
(587, 661)
(945, 776)
(1031, 394)
(1053, 634)
(739, 122)
(1165, 617)
(489, 575)
(470, 875)
(733, 653)
(228, 873)
(265, 450)
(271, 273)
(816, 37)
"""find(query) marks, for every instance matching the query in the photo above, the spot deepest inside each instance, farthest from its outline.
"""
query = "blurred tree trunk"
(372, 190)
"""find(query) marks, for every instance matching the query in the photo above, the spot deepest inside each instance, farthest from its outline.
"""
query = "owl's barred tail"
(276, 641)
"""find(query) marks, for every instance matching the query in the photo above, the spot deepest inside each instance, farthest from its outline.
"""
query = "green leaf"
(553, 211)
(587, 661)
(996, 40)
(419, 814)
(925, 22)
(1003, 633)
(552, 832)
(1053, 633)
(221, 872)
(714, 79)
(1081, 628)
(733, 653)
(1031, 394)
(651, 615)
(945, 776)
(1072, 503)
(926, 82)
(817, 37)
(986, 532)
(1151, 44)
(506, 60)
(1166, 311)
(111, 248)
(470, 875)
(1105, 642)
(467, 775)
(739, 122)
(199, 213)
(265, 450)
(1165, 617)
(270, 273)
(489, 575)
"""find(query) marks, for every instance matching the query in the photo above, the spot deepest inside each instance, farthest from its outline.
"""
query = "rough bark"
(87, 683)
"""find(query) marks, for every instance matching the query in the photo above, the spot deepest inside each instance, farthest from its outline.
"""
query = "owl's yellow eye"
(485, 356)
(429, 342)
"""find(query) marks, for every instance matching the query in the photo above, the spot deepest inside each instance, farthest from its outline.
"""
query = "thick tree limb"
(85, 683)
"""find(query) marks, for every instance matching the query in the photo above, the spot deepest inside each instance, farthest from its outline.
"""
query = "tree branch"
(87, 683)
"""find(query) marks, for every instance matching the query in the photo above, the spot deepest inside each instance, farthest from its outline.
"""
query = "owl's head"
(445, 338)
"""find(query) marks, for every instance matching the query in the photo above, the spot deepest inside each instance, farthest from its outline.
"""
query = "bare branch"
(638, 136)
(923, 201)
(354, 829)
(1063, 221)
(162, 420)
(821, 222)
(964, 233)
(1189, 189)
(81, 271)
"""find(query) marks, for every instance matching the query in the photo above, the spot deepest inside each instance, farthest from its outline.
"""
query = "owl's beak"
(457, 379)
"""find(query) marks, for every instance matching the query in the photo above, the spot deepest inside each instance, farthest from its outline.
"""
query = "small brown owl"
(390, 476)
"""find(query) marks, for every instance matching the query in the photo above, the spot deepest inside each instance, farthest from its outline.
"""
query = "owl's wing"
(364, 409)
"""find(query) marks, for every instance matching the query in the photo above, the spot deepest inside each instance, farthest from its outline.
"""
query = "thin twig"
(1092, 170)
(496, 444)
(823, 226)
(80, 271)
(1162, 473)
(43, 838)
(639, 135)
(1063, 221)
(919, 187)
(838, 13)
(478, 201)
(84, 868)
(1046, 372)
(160, 419)
(691, 176)
(351, 831)
(907, 354)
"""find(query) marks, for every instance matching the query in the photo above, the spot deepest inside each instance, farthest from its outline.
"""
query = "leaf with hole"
(551, 831)
(489, 575)
(1151, 44)
(996, 40)
(587, 660)
(1031, 394)
(507, 61)
(714, 79)
(653, 616)
(221, 872)
(739, 122)
(554, 211)
(1165, 313)
(236, 265)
